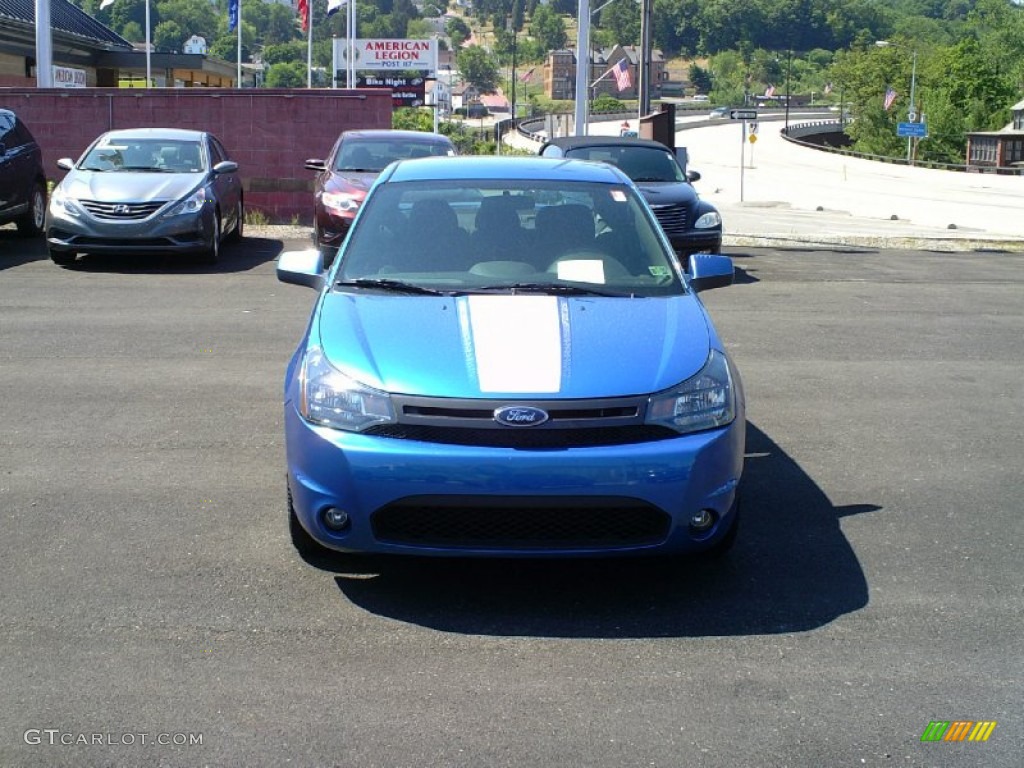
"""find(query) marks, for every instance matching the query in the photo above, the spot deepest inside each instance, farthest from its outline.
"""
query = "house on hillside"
(1000, 151)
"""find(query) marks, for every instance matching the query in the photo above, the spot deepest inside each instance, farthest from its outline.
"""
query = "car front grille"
(122, 211)
(525, 438)
(520, 523)
(570, 424)
(673, 218)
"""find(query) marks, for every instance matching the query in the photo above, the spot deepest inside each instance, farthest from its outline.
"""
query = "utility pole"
(644, 76)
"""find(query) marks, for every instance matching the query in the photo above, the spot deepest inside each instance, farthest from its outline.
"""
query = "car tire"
(63, 258)
(213, 251)
(31, 223)
(309, 549)
(237, 233)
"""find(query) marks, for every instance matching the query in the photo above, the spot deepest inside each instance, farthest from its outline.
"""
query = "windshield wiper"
(386, 284)
(552, 288)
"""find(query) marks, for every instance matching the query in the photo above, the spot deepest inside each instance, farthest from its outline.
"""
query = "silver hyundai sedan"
(146, 190)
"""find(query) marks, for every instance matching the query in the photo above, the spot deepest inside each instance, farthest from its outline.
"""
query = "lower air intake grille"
(522, 523)
(527, 438)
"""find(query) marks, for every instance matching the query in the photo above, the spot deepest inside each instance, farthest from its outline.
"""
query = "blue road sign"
(917, 130)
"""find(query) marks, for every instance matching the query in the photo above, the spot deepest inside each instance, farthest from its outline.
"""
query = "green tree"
(195, 17)
(290, 74)
(548, 28)
(413, 119)
(168, 36)
(478, 68)
(458, 31)
(293, 51)
(622, 20)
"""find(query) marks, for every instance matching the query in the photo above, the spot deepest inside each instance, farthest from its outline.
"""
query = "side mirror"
(316, 165)
(226, 166)
(66, 163)
(301, 268)
(693, 176)
(709, 270)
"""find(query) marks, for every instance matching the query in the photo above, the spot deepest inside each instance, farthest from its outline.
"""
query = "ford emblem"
(520, 416)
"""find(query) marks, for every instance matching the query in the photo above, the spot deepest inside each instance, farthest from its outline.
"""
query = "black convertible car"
(692, 225)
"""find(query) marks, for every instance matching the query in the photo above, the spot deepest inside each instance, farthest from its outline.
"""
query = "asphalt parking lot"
(151, 599)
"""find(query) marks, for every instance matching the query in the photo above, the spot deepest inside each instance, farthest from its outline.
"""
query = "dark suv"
(693, 225)
(22, 181)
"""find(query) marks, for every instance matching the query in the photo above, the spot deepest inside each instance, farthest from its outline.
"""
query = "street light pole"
(911, 112)
(644, 79)
(789, 71)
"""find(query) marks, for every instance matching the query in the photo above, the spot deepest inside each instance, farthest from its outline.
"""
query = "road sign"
(752, 138)
(752, 128)
(917, 130)
(743, 114)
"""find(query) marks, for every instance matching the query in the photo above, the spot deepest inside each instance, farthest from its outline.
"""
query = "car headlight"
(331, 398)
(341, 203)
(61, 203)
(708, 220)
(704, 401)
(190, 204)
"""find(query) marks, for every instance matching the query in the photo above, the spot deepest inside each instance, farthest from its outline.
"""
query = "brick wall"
(270, 132)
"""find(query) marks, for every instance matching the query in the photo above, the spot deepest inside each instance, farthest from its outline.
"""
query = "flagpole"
(238, 23)
(149, 70)
(352, 44)
(309, 46)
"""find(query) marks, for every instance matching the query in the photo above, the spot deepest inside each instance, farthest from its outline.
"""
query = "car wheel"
(237, 233)
(308, 548)
(63, 258)
(213, 251)
(31, 223)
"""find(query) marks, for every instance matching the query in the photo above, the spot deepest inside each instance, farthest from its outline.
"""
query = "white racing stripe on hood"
(517, 343)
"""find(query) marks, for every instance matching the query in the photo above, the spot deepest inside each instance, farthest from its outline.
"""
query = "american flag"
(890, 97)
(622, 79)
(770, 91)
(525, 77)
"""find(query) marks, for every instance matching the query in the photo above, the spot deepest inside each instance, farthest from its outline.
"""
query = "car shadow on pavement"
(242, 256)
(15, 249)
(791, 570)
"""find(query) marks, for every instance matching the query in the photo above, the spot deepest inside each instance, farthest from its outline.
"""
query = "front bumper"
(697, 241)
(184, 233)
(414, 497)
(330, 229)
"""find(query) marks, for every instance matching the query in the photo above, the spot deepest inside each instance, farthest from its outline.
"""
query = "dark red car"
(344, 178)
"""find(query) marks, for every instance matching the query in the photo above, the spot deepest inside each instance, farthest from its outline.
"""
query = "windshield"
(559, 237)
(374, 156)
(144, 154)
(639, 163)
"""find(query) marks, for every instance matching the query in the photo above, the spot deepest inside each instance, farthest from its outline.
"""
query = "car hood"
(128, 187)
(513, 346)
(667, 192)
(352, 179)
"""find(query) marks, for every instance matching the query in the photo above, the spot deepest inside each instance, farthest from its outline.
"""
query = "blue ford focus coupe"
(508, 359)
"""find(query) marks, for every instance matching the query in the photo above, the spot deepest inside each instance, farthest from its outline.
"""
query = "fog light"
(701, 522)
(335, 519)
